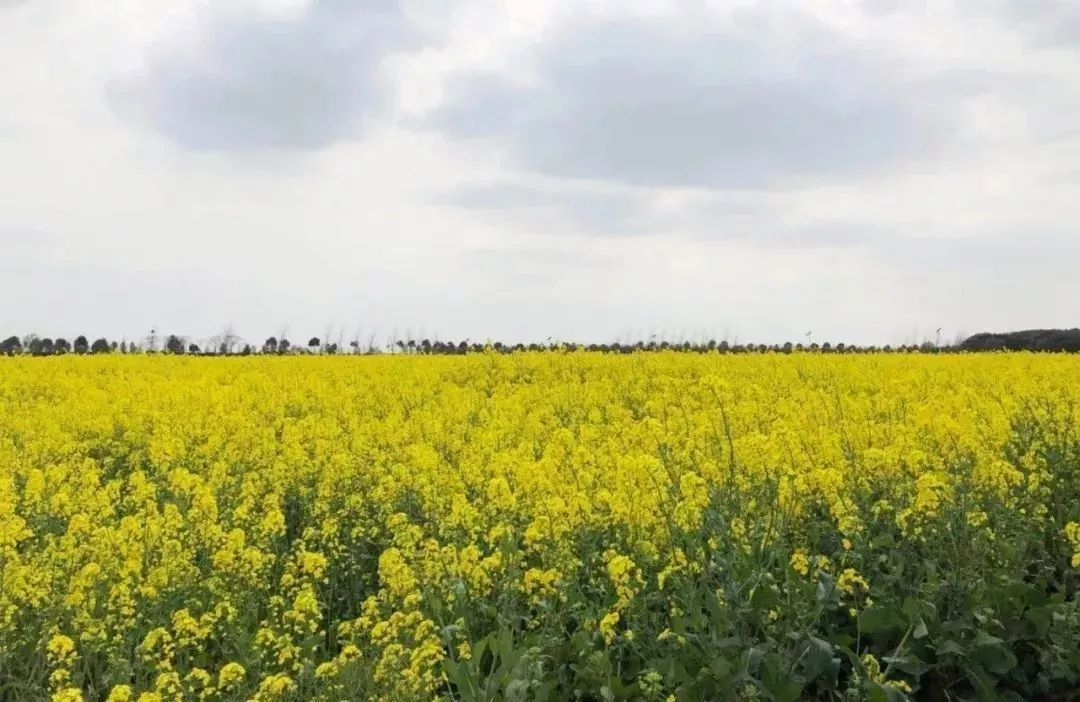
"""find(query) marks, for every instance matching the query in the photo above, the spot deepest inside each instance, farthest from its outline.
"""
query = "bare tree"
(229, 339)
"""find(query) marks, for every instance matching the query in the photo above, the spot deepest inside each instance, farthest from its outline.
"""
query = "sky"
(863, 171)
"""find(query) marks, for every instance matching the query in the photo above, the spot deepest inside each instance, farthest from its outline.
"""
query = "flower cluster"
(492, 526)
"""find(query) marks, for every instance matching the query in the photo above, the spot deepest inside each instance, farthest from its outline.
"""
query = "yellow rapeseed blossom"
(121, 693)
(393, 527)
(1072, 533)
(851, 582)
(607, 626)
(231, 675)
(800, 562)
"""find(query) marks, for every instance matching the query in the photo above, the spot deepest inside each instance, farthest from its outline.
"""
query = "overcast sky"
(866, 170)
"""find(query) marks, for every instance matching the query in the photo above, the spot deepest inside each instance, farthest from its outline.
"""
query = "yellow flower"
(121, 693)
(607, 626)
(873, 670)
(60, 650)
(162, 499)
(1072, 533)
(230, 675)
(851, 582)
(800, 562)
(275, 687)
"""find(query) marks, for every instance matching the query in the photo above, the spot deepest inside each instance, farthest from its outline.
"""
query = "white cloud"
(533, 169)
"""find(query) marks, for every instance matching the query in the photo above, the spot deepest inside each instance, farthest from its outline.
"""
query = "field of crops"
(540, 526)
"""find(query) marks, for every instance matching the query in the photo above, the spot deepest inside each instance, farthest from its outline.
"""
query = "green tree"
(174, 344)
(11, 346)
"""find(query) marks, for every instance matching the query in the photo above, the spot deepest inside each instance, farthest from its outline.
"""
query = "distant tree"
(61, 346)
(174, 344)
(229, 339)
(1028, 339)
(283, 346)
(270, 345)
(32, 344)
(123, 347)
(193, 348)
(81, 345)
(100, 346)
(47, 347)
(314, 343)
(11, 346)
(247, 350)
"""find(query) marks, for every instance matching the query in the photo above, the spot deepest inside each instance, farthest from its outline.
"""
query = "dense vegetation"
(1029, 340)
(540, 526)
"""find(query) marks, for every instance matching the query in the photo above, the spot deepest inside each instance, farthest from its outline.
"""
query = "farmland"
(545, 525)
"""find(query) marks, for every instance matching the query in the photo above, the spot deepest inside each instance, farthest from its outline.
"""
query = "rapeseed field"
(534, 526)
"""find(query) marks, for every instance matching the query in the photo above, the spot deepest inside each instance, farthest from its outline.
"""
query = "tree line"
(176, 345)
(229, 344)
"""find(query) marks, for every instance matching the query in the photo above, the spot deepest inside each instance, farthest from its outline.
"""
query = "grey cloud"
(742, 105)
(540, 257)
(256, 81)
(1042, 22)
(563, 209)
(1053, 23)
(732, 216)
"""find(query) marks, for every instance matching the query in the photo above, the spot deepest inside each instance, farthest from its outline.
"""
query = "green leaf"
(826, 590)
(877, 619)
(908, 663)
(993, 655)
(518, 691)
(885, 693)
(776, 681)
(720, 667)
(983, 683)
(883, 541)
(818, 660)
(950, 647)
(914, 609)
(877, 693)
